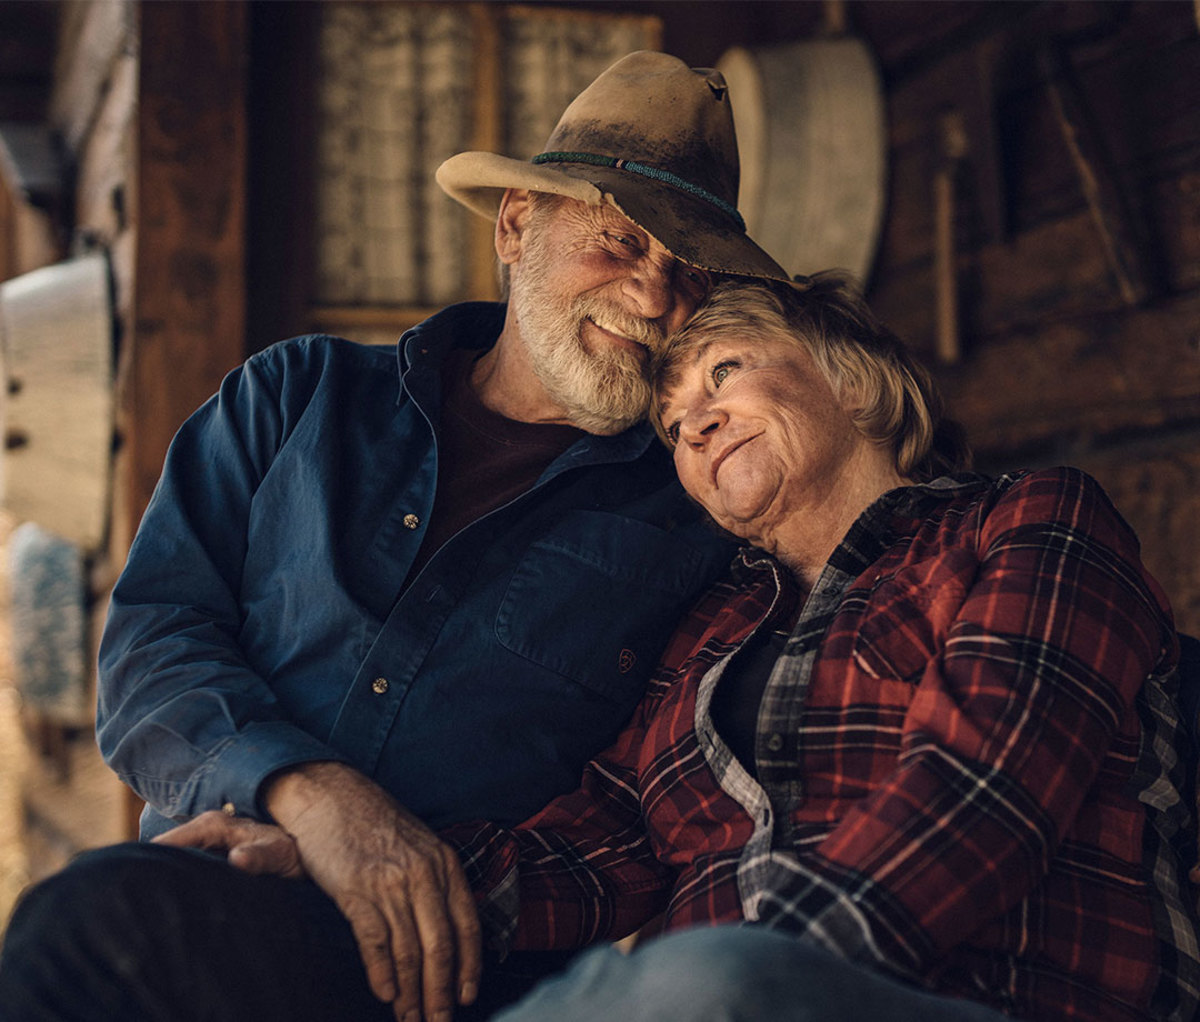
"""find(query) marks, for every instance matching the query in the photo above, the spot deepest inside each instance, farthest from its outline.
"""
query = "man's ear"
(510, 224)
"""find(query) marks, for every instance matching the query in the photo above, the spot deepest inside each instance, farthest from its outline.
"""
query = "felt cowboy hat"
(651, 137)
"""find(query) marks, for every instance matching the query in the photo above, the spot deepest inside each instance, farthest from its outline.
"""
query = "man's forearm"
(290, 793)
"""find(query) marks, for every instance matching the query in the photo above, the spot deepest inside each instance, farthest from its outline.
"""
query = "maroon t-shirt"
(484, 459)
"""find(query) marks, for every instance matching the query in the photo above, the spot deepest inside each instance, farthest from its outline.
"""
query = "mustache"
(612, 316)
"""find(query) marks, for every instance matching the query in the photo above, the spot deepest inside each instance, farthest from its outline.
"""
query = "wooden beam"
(488, 90)
(1117, 228)
(189, 307)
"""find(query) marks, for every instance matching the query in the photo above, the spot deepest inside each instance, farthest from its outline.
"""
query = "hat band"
(646, 171)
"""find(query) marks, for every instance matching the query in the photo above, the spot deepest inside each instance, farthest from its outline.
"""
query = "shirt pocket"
(904, 625)
(596, 598)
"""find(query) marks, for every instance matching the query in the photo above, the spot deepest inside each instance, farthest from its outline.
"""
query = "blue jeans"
(731, 974)
(144, 933)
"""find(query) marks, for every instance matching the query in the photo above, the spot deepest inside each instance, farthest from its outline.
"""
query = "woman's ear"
(510, 224)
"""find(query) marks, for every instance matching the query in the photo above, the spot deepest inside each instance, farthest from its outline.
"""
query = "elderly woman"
(922, 737)
(925, 730)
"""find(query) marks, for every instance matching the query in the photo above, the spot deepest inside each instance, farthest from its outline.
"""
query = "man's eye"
(722, 370)
(626, 240)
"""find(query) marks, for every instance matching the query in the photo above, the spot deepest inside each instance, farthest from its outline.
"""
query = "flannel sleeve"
(579, 871)
(1007, 731)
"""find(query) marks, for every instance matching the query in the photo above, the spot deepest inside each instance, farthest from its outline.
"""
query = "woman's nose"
(698, 426)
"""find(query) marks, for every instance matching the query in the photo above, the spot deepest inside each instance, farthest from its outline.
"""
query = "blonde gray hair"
(893, 399)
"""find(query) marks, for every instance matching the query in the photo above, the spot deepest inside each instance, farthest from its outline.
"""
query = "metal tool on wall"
(1122, 240)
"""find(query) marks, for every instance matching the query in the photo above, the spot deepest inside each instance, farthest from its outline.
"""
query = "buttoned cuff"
(241, 769)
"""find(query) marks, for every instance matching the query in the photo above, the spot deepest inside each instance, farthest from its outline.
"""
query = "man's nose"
(650, 289)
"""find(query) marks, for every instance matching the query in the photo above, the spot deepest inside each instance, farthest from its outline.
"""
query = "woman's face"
(759, 433)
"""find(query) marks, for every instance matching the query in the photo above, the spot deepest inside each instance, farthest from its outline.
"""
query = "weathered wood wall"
(1059, 365)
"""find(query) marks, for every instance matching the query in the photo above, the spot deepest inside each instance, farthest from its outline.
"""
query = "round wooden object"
(812, 139)
(56, 359)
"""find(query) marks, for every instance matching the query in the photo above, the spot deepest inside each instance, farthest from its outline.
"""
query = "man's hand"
(249, 845)
(403, 891)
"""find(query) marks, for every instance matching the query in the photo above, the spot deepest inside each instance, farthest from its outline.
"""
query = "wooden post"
(1121, 238)
(486, 23)
(189, 306)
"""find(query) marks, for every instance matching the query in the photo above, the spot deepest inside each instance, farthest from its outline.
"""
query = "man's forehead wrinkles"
(606, 216)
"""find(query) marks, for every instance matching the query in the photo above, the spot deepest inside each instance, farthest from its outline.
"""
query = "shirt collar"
(896, 513)
(422, 350)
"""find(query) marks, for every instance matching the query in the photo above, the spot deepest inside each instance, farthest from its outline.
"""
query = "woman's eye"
(672, 432)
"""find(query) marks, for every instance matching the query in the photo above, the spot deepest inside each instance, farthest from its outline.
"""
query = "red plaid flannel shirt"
(965, 759)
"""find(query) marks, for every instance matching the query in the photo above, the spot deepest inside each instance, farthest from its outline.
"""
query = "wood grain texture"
(188, 328)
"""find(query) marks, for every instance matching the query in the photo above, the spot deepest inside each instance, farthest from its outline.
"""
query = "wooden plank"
(1150, 126)
(283, 54)
(911, 36)
(1040, 180)
(1095, 377)
(1054, 268)
(93, 37)
(105, 176)
(1119, 55)
(188, 327)
(1117, 230)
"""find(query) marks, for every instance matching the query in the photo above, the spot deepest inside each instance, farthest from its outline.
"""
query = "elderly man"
(374, 594)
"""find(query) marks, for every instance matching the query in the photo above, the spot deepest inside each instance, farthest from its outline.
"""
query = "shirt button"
(775, 742)
(379, 686)
(229, 809)
(411, 521)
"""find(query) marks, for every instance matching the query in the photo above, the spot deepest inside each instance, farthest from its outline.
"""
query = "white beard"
(602, 392)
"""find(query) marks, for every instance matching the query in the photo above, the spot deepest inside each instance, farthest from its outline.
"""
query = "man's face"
(594, 297)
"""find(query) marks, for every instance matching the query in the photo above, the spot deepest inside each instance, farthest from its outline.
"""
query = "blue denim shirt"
(261, 620)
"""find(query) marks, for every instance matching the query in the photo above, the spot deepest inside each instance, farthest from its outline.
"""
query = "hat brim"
(690, 228)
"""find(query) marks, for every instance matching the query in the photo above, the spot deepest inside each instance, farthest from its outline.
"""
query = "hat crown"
(651, 137)
(652, 108)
